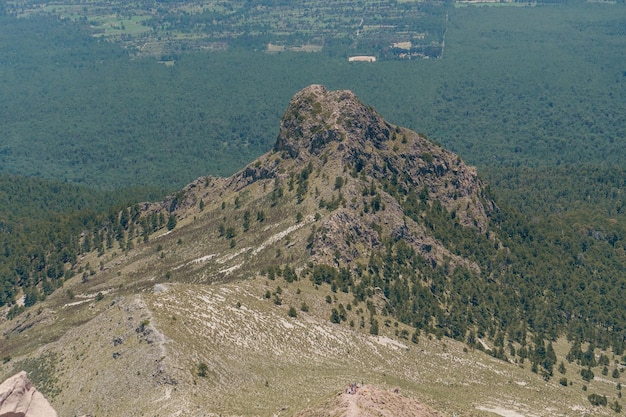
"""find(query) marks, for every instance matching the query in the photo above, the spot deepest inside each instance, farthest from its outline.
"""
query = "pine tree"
(374, 327)
(171, 222)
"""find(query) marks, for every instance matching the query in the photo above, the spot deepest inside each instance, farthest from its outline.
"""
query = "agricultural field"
(167, 28)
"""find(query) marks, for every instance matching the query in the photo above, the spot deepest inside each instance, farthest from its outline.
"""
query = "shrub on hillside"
(597, 400)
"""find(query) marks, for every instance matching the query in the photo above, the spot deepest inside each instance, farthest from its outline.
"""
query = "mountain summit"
(358, 174)
(315, 117)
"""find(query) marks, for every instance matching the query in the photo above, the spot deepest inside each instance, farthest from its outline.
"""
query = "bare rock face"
(316, 117)
(19, 398)
(338, 125)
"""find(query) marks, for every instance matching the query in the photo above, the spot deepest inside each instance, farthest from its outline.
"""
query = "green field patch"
(114, 25)
(307, 48)
(461, 4)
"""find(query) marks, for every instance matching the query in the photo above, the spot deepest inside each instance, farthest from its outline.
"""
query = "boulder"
(19, 398)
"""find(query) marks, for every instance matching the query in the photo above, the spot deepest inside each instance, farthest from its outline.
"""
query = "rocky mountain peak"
(321, 125)
(316, 117)
(348, 218)
(363, 179)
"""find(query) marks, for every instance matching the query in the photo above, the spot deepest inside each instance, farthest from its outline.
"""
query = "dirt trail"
(370, 401)
(353, 408)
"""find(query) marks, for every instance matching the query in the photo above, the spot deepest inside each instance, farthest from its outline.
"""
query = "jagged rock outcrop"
(19, 398)
(316, 119)
(383, 166)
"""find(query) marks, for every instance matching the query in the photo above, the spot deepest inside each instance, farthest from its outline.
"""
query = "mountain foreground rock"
(19, 398)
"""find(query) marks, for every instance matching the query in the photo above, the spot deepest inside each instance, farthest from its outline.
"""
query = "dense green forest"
(533, 96)
(41, 222)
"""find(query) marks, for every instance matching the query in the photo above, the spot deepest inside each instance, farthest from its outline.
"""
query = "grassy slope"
(261, 361)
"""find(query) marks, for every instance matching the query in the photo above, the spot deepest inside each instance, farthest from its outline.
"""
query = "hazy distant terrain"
(398, 30)
(537, 86)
